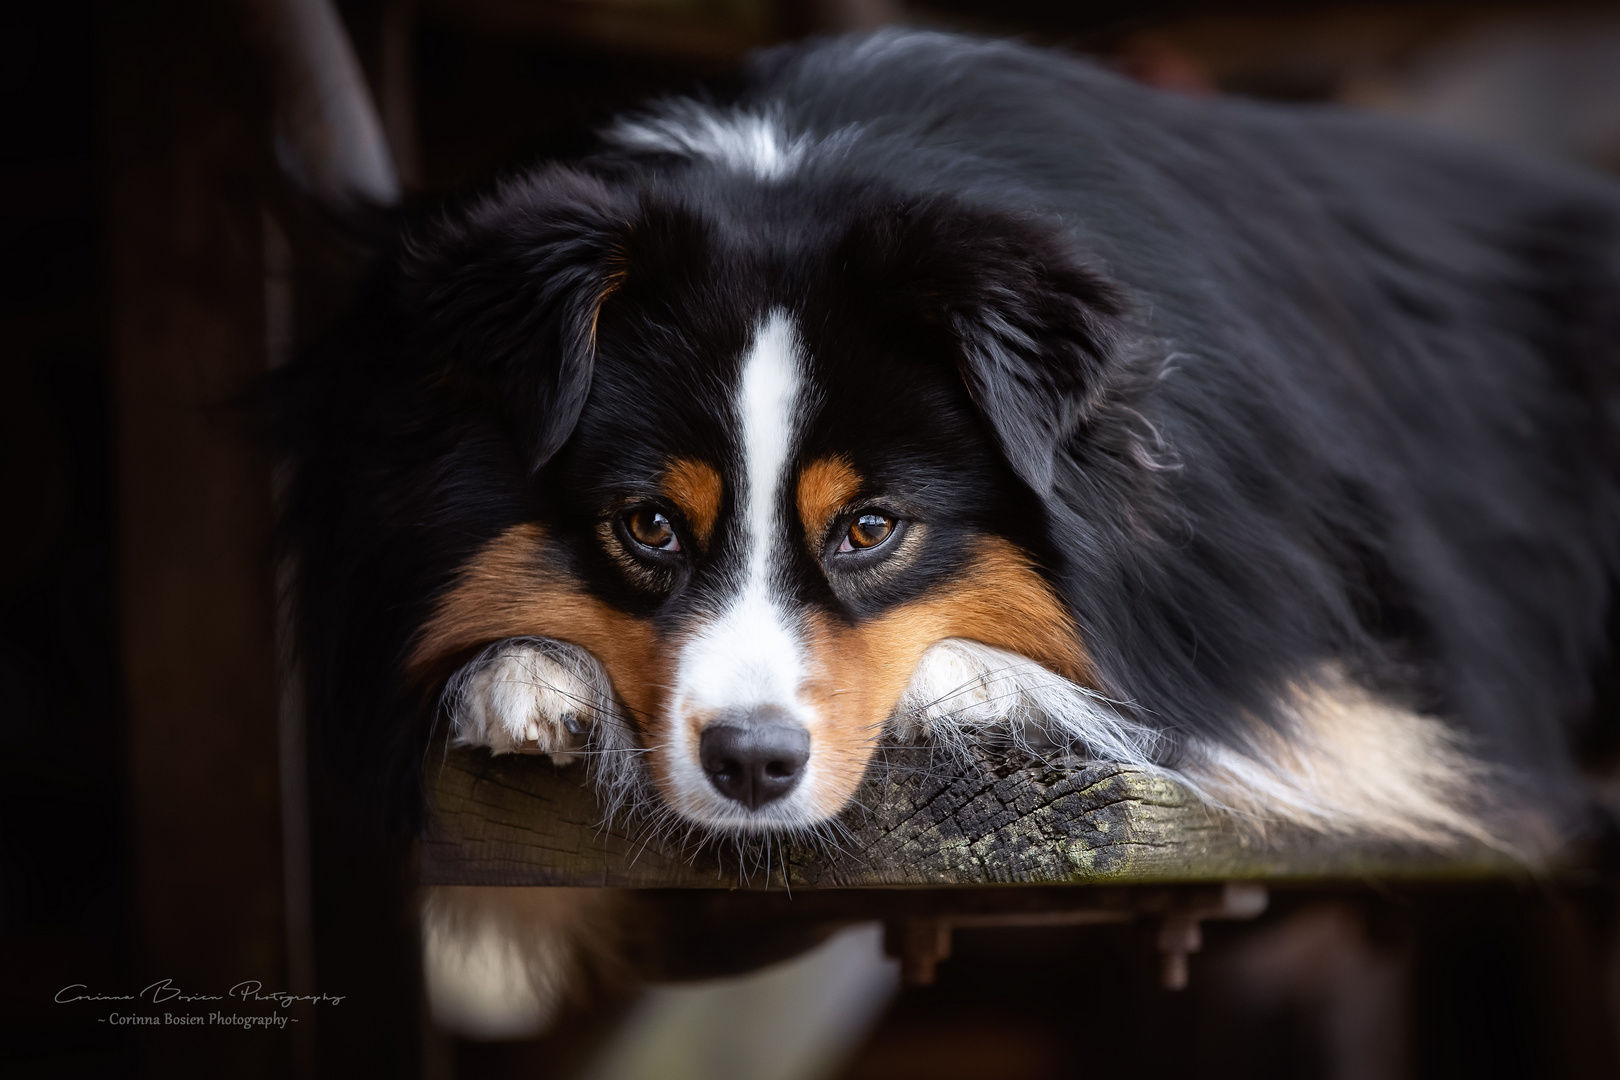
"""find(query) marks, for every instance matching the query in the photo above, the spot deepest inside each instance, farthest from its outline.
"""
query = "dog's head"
(774, 442)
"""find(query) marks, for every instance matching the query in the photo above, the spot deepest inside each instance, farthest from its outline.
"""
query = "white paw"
(959, 685)
(529, 696)
(963, 691)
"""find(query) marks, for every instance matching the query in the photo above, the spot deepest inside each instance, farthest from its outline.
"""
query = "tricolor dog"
(937, 389)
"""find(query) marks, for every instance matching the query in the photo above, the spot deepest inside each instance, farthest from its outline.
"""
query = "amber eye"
(651, 529)
(869, 530)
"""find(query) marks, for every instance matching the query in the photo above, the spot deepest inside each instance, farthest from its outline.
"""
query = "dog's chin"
(717, 817)
(760, 823)
(708, 811)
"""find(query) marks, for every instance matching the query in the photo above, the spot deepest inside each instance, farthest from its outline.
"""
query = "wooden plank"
(514, 820)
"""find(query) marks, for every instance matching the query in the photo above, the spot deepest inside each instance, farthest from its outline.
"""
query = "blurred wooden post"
(194, 518)
(227, 886)
(384, 33)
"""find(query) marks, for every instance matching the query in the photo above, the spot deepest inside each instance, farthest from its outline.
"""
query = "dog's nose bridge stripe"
(767, 397)
(752, 652)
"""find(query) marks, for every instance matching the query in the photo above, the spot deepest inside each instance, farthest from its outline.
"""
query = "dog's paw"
(963, 692)
(958, 685)
(529, 696)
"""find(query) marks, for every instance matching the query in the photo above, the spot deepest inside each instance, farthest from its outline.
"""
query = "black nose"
(754, 757)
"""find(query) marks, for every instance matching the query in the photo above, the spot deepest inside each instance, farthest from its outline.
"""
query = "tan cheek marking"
(861, 671)
(696, 488)
(825, 486)
(511, 589)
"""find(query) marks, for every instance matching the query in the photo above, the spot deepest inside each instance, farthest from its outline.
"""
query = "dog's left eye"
(651, 529)
(867, 531)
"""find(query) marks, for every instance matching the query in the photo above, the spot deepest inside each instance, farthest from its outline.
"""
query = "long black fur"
(1259, 386)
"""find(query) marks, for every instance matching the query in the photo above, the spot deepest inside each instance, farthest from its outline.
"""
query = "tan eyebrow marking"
(696, 488)
(825, 485)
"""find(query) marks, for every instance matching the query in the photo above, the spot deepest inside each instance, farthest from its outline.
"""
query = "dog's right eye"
(649, 528)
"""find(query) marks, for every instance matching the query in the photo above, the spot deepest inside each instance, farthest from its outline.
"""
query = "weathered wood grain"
(521, 821)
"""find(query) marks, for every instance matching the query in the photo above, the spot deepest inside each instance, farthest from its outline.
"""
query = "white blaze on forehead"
(750, 655)
(768, 394)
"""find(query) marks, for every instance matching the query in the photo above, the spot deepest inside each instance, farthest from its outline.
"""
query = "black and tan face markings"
(517, 587)
(643, 536)
(862, 541)
(514, 588)
(644, 542)
(859, 671)
(851, 654)
(993, 594)
(696, 489)
(835, 517)
(826, 486)
(651, 537)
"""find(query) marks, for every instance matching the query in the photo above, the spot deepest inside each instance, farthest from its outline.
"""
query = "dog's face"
(785, 463)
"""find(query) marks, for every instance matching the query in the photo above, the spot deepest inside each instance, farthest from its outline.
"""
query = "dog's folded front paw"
(958, 686)
(529, 696)
(963, 691)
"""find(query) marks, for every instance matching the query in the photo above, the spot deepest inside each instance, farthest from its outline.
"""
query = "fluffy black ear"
(509, 292)
(1034, 330)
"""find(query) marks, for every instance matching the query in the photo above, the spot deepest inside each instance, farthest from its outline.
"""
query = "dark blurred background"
(154, 808)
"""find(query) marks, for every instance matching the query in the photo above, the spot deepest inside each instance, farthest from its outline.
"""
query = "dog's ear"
(509, 292)
(1034, 331)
